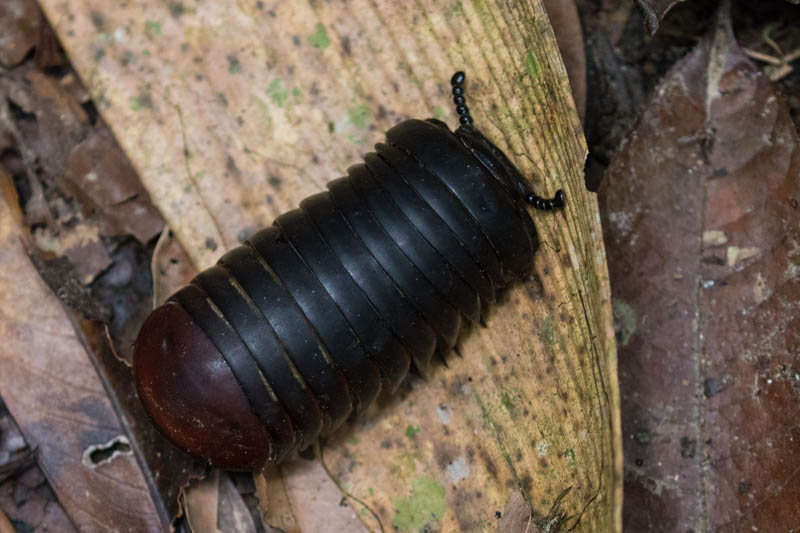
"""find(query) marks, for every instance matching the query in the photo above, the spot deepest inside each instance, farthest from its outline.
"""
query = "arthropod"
(300, 327)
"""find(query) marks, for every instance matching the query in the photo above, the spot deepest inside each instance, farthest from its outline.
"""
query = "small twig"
(784, 68)
(777, 73)
(767, 39)
(760, 56)
(781, 64)
(792, 56)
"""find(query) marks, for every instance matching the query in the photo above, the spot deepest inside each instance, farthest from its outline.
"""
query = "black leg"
(546, 204)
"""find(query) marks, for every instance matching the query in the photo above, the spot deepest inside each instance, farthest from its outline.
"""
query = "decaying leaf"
(701, 219)
(14, 451)
(20, 22)
(27, 504)
(103, 179)
(52, 391)
(5, 524)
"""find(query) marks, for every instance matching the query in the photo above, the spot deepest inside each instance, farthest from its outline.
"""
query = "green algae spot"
(643, 437)
(353, 440)
(438, 112)
(548, 334)
(483, 9)
(426, 504)
(531, 65)
(136, 103)
(371, 491)
(505, 401)
(411, 432)
(234, 66)
(296, 92)
(356, 139)
(277, 93)
(153, 27)
(319, 39)
(455, 9)
(624, 321)
(143, 99)
(358, 116)
(569, 453)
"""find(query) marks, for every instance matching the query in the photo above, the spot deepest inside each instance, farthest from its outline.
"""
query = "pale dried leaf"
(201, 503)
(276, 505)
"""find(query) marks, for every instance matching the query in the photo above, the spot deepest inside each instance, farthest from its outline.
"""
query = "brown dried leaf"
(103, 180)
(31, 505)
(701, 218)
(20, 22)
(51, 121)
(14, 451)
(5, 524)
(78, 242)
(52, 391)
(48, 51)
(61, 119)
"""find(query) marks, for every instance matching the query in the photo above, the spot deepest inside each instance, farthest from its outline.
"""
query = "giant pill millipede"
(291, 333)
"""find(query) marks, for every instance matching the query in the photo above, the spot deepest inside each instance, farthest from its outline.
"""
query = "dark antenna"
(457, 81)
(535, 201)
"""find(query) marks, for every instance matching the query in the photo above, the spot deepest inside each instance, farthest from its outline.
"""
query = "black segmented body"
(335, 300)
